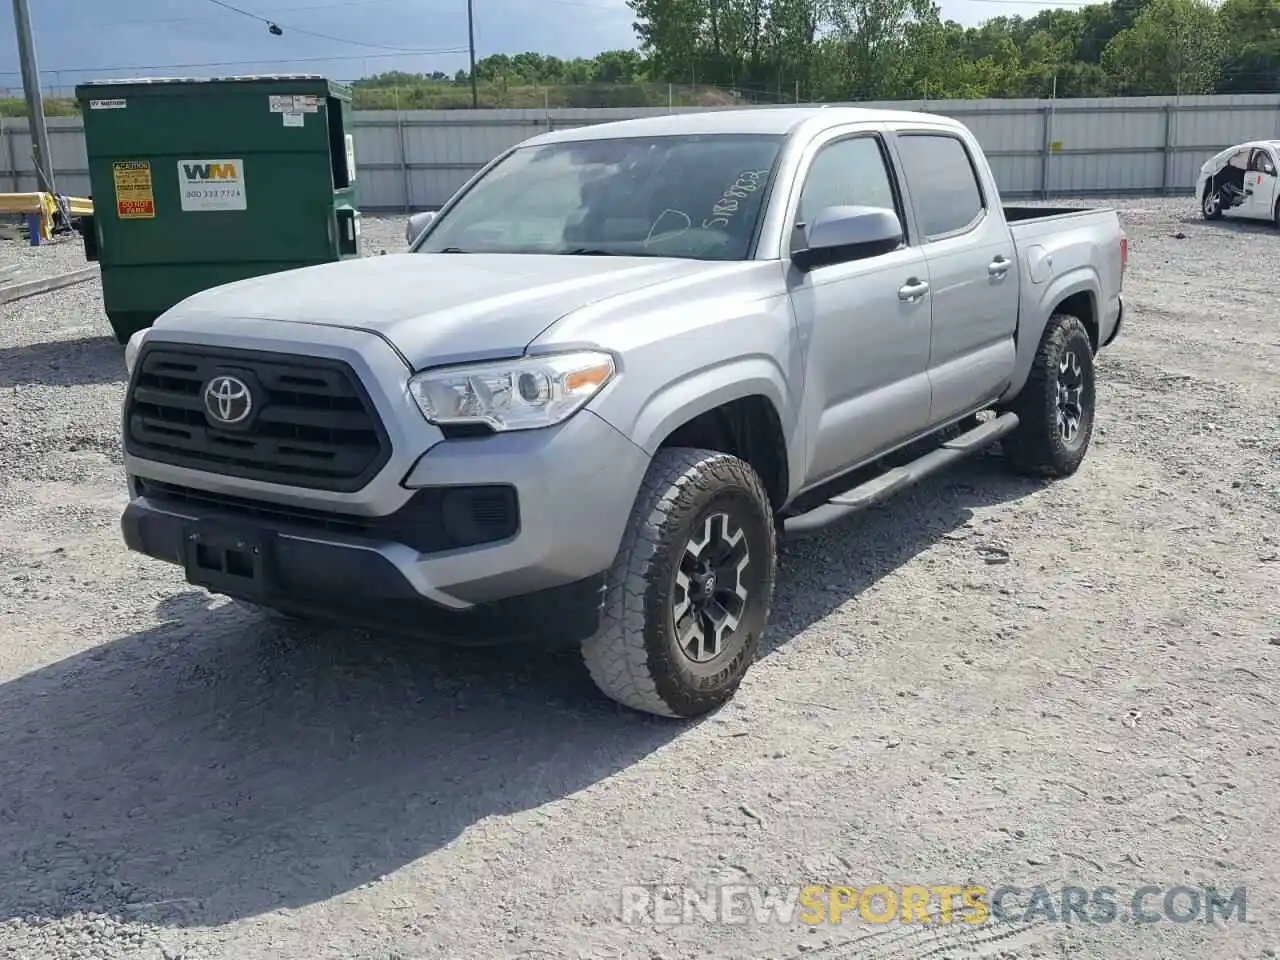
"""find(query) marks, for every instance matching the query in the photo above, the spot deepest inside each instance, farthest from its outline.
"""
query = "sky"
(79, 40)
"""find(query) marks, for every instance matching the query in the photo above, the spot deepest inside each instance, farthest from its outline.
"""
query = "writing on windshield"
(689, 196)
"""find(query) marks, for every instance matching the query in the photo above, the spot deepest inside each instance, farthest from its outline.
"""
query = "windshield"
(695, 197)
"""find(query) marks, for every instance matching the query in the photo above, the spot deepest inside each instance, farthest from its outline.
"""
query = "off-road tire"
(1214, 211)
(635, 658)
(1037, 447)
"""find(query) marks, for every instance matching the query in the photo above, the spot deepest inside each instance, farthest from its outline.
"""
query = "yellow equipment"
(41, 210)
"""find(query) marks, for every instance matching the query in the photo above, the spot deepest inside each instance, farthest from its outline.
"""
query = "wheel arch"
(1078, 293)
(748, 428)
(742, 408)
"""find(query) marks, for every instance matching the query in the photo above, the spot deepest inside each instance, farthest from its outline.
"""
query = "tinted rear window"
(944, 186)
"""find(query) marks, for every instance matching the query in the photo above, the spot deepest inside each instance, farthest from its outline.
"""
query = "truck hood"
(434, 308)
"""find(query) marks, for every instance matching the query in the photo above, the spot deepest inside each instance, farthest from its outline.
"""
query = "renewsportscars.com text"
(973, 904)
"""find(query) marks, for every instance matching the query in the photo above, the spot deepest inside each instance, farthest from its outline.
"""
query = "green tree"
(874, 34)
(1252, 64)
(839, 50)
(1174, 46)
(669, 32)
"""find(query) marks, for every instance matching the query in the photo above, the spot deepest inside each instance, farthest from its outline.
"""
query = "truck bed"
(1082, 247)
(1013, 213)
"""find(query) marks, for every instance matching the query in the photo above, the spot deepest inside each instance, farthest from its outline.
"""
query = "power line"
(311, 7)
(222, 3)
(310, 33)
(1047, 5)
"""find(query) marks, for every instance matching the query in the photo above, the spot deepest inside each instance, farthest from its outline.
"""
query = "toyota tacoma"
(608, 375)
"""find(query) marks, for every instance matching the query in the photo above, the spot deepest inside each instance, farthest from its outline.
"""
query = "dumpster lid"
(254, 78)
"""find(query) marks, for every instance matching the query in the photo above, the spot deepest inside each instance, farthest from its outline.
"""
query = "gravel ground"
(61, 255)
(986, 680)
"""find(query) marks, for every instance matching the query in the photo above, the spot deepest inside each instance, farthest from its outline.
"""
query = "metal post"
(31, 86)
(1048, 135)
(404, 163)
(1166, 174)
(471, 45)
(1047, 123)
(11, 157)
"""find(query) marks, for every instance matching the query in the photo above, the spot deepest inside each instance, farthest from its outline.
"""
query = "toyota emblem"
(227, 400)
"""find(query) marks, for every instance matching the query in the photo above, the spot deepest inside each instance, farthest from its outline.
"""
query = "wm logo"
(209, 171)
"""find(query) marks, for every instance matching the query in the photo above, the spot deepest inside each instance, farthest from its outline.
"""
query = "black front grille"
(313, 425)
(433, 520)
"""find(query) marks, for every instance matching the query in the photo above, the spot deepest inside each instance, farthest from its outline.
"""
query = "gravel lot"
(986, 680)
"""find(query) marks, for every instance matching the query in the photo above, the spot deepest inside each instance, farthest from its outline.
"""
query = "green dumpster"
(197, 182)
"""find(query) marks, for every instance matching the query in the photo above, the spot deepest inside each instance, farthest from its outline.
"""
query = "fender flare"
(1081, 280)
(701, 390)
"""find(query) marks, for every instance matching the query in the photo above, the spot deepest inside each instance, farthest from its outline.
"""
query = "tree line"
(841, 50)
(717, 52)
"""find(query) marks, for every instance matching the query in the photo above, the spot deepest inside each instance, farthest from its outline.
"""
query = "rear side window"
(943, 184)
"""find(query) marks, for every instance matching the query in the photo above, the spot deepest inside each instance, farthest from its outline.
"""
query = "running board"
(899, 478)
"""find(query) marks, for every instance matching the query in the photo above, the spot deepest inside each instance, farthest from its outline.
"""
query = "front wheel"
(1056, 405)
(1211, 204)
(688, 597)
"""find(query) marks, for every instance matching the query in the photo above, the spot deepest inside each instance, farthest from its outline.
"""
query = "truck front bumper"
(501, 538)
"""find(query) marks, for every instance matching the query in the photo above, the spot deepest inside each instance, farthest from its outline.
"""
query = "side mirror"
(841, 234)
(417, 223)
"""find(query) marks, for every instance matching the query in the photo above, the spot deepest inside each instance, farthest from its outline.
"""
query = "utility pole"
(35, 100)
(471, 43)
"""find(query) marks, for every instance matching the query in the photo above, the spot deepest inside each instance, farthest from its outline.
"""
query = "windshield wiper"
(590, 252)
(453, 250)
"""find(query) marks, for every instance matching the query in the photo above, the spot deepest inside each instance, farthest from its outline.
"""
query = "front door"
(1260, 185)
(972, 272)
(866, 321)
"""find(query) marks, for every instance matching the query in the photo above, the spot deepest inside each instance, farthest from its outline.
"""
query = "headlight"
(520, 394)
(132, 347)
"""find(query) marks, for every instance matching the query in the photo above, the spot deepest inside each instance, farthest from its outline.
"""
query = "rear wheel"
(1056, 406)
(688, 597)
(1275, 216)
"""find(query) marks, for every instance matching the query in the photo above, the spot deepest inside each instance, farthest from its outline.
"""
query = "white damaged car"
(1241, 182)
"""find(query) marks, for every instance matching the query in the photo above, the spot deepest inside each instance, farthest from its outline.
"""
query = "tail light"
(1124, 252)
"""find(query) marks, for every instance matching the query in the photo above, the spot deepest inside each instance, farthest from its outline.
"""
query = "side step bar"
(899, 478)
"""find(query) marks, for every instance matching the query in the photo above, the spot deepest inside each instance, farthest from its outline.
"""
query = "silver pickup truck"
(608, 376)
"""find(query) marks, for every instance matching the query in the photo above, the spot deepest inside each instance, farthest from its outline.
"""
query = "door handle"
(913, 290)
(999, 266)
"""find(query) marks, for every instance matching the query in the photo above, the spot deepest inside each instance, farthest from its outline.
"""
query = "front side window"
(1262, 163)
(689, 196)
(943, 183)
(848, 172)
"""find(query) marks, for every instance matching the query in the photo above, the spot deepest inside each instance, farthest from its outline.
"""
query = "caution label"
(135, 197)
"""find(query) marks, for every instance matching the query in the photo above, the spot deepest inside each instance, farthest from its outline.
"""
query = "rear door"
(973, 278)
(866, 321)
